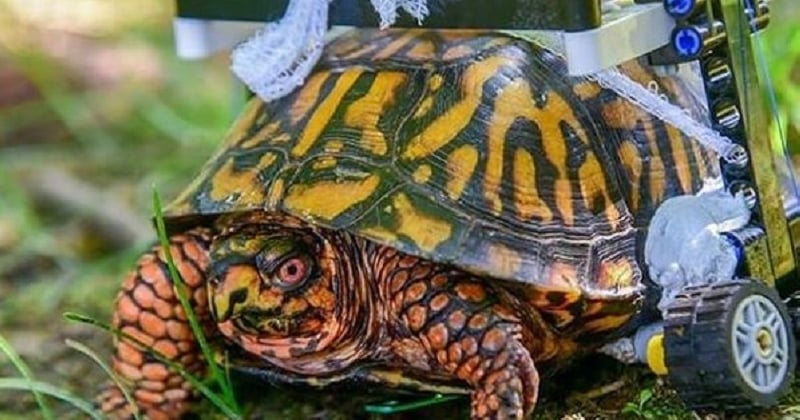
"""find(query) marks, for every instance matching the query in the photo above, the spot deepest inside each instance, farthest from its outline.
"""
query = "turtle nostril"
(238, 296)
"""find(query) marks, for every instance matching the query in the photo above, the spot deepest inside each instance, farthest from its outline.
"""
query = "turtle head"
(280, 288)
(268, 282)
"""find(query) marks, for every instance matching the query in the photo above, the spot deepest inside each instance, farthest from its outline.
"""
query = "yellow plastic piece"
(655, 355)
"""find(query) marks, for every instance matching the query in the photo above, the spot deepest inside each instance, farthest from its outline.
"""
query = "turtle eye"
(293, 272)
(286, 262)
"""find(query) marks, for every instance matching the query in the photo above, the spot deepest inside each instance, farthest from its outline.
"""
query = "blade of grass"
(17, 361)
(37, 387)
(180, 288)
(222, 405)
(227, 368)
(92, 355)
(392, 407)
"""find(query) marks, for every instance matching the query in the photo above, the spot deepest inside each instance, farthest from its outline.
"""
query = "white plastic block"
(630, 32)
(198, 38)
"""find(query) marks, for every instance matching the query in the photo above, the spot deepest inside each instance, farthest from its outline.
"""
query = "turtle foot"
(154, 332)
(507, 388)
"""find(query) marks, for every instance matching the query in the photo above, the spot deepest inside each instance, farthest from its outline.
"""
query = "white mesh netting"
(661, 108)
(648, 100)
(387, 10)
(279, 57)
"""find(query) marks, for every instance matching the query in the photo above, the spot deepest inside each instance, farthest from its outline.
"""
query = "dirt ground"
(94, 111)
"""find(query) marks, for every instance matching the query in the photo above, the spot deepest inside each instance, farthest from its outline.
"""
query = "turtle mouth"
(271, 322)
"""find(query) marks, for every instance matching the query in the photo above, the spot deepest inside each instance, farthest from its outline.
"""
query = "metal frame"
(570, 15)
(738, 111)
(634, 31)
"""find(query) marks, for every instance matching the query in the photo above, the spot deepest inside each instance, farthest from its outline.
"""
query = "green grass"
(780, 48)
(37, 387)
(23, 369)
(126, 393)
(217, 375)
(231, 411)
(225, 402)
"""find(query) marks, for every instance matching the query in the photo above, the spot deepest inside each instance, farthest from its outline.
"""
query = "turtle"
(432, 209)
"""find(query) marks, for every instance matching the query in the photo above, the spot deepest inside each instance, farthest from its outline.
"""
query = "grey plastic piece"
(622, 349)
(643, 336)
(633, 349)
(684, 246)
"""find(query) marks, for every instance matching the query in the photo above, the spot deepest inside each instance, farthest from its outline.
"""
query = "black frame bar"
(568, 15)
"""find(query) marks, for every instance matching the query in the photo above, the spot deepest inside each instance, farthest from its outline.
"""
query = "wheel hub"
(764, 342)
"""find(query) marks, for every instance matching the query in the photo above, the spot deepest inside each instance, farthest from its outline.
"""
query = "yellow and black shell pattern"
(468, 148)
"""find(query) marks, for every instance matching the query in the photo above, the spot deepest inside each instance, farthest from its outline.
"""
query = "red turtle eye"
(293, 271)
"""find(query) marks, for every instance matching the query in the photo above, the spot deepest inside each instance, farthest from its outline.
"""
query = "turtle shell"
(473, 149)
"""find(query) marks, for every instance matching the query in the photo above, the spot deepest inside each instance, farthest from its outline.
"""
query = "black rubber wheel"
(730, 346)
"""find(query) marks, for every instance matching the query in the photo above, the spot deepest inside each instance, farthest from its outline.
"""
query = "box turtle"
(431, 208)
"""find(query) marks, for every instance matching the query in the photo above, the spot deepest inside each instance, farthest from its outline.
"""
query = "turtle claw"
(507, 391)
(111, 402)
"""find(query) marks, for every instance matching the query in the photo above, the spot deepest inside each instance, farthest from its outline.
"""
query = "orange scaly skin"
(358, 302)
(465, 329)
(148, 310)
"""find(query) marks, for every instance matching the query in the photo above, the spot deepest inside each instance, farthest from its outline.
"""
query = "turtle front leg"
(148, 309)
(469, 333)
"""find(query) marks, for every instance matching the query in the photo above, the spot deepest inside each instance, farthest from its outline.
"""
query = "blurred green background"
(95, 109)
